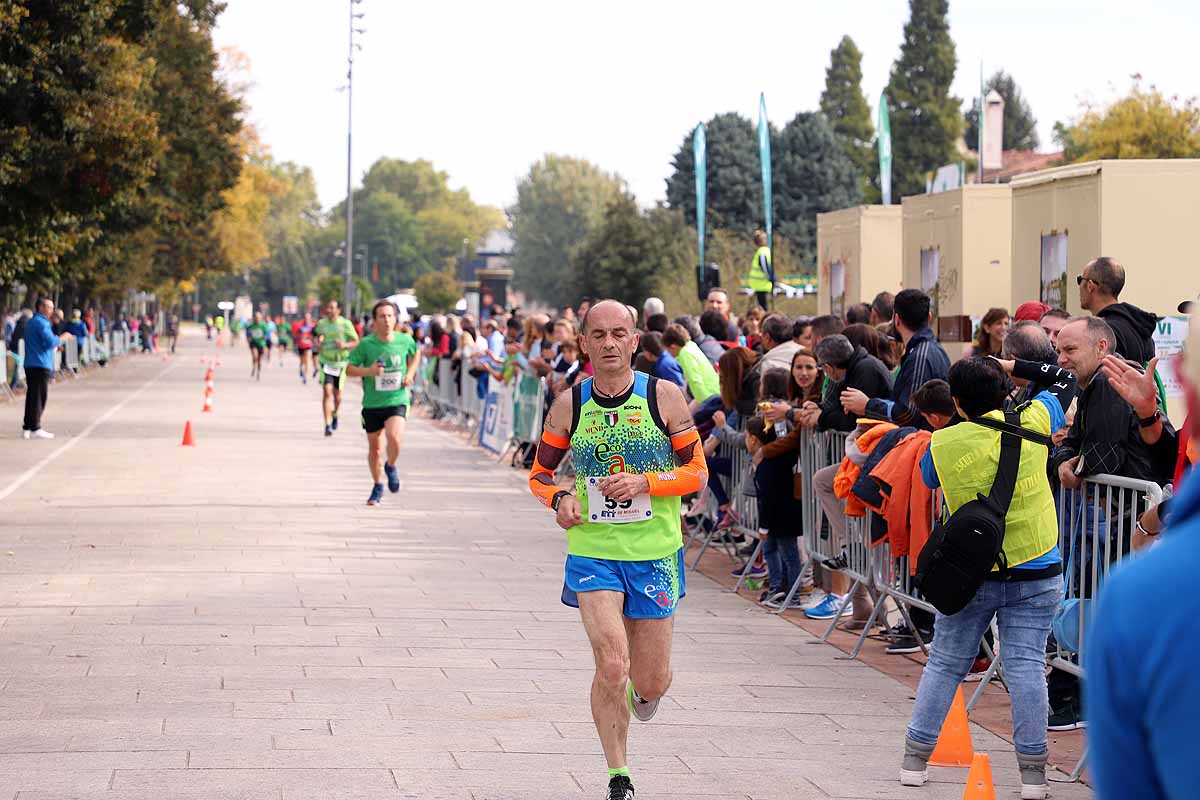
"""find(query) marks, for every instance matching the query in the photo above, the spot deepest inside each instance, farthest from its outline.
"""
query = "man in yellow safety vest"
(762, 274)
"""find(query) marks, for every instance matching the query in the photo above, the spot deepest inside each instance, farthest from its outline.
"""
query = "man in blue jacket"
(40, 346)
(1141, 692)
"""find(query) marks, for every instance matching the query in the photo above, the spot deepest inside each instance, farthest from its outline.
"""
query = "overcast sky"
(483, 89)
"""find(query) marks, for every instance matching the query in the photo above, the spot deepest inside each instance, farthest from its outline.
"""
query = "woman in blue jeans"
(962, 460)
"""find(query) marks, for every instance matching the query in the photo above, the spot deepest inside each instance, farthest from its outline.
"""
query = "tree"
(734, 175)
(558, 203)
(619, 258)
(811, 174)
(437, 292)
(846, 108)
(925, 119)
(1020, 126)
(388, 227)
(1143, 124)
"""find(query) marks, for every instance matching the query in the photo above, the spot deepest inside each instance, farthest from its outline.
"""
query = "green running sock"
(612, 773)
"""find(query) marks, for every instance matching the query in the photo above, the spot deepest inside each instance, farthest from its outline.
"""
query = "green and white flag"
(699, 145)
(885, 151)
(764, 155)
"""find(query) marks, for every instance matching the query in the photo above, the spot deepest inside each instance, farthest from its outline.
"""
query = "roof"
(1019, 162)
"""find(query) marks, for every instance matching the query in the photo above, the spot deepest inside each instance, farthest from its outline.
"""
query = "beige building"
(859, 253)
(957, 247)
(1145, 213)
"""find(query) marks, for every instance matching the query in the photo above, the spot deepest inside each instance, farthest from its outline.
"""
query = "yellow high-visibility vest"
(759, 281)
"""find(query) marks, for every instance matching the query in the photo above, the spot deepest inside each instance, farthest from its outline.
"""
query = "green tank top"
(622, 434)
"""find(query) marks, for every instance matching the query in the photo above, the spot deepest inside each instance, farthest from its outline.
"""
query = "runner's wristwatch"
(554, 501)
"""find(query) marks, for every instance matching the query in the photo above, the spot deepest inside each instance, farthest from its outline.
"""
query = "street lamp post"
(348, 282)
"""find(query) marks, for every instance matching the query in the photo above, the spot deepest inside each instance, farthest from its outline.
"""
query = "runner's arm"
(692, 473)
(551, 451)
(414, 363)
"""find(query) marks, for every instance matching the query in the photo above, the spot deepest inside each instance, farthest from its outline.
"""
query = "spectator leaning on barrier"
(1100, 284)
(1023, 597)
(924, 359)
(990, 337)
(40, 346)
(848, 367)
(1142, 694)
(702, 382)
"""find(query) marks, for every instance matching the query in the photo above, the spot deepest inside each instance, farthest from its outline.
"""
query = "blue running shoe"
(755, 572)
(334, 423)
(393, 476)
(828, 608)
(376, 495)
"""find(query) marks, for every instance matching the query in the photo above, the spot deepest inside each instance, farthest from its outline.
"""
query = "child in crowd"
(779, 513)
(932, 400)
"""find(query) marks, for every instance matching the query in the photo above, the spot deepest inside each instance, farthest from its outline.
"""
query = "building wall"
(1150, 222)
(934, 222)
(1055, 201)
(867, 239)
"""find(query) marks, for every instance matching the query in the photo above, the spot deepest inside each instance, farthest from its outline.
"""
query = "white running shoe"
(24, 434)
(41, 434)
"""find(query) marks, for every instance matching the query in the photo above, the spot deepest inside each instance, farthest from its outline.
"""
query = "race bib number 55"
(605, 509)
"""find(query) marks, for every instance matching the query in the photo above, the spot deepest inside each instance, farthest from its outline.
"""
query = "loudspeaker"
(708, 277)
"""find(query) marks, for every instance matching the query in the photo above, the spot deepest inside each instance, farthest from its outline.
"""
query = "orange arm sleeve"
(690, 476)
(550, 453)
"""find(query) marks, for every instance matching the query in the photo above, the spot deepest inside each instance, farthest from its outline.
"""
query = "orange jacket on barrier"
(907, 505)
(848, 472)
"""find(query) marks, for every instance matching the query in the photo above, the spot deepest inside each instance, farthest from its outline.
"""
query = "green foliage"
(620, 257)
(437, 292)
(811, 174)
(846, 108)
(925, 119)
(734, 175)
(294, 235)
(1143, 124)
(329, 286)
(558, 204)
(1020, 126)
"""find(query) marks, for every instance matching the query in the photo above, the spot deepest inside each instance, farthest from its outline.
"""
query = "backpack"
(961, 551)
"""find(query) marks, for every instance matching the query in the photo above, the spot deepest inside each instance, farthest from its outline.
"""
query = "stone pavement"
(230, 621)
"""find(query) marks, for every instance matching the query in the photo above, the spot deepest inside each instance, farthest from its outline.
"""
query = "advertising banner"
(496, 427)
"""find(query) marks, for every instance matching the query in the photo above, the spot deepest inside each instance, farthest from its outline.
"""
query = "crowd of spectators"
(760, 383)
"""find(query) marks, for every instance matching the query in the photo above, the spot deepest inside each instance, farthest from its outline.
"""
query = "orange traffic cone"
(188, 439)
(208, 375)
(954, 748)
(207, 400)
(979, 780)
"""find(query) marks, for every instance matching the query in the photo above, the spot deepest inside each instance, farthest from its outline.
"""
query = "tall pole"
(348, 282)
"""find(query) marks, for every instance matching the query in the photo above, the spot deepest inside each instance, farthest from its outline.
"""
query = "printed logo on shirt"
(611, 418)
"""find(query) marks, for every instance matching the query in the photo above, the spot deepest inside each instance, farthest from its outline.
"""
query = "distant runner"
(284, 333)
(271, 330)
(387, 362)
(636, 453)
(336, 336)
(302, 332)
(257, 336)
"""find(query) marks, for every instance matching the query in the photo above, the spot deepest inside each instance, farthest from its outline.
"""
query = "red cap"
(1033, 310)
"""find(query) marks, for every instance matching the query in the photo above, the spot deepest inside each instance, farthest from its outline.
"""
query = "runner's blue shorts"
(652, 589)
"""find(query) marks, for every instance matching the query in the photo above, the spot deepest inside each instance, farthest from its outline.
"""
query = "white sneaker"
(41, 434)
(24, 434)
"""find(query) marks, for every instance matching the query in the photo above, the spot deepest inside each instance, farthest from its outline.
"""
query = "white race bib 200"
(332, 369)
(605, 509)
(389, 382)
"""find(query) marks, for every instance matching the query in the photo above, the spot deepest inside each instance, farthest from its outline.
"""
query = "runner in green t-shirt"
(387, 362)
(337, 338)
(283, 331)
(257, 335)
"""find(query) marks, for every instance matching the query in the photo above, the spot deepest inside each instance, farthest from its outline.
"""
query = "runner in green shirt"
(337, 338)
(257, 335)
(387, 362)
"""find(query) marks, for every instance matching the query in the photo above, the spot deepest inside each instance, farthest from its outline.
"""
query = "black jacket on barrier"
(866, 373)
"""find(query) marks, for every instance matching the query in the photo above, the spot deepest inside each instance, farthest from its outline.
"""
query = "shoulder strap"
(577, 404)
(1012, 425)
(1005, 482)
(652, 403)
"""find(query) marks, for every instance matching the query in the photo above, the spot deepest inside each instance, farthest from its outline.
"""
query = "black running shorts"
(373, 419)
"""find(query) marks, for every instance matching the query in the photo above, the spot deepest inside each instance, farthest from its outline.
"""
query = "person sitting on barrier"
(779, 515)
(849, 368)
(1141, 689)
(1023, 597)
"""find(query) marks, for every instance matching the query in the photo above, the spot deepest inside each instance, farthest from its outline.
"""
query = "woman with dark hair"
(871, 340)
(990, 338)
(739, 378)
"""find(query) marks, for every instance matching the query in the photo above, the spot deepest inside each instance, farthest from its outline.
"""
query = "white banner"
(496, 428)
(1169, 337)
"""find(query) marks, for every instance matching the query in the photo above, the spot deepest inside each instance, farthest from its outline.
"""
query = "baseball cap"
(1033, 311)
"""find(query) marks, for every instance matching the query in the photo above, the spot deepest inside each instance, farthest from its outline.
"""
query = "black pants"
(37, 386)
(761, 297)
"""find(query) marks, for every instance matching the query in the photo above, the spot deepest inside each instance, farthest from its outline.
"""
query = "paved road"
(230, 621)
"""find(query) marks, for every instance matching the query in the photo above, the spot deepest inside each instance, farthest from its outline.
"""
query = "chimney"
(993, 131)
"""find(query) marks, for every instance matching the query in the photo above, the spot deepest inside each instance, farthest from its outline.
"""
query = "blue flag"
(885, 151)
(764, 155)
(699, 146)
